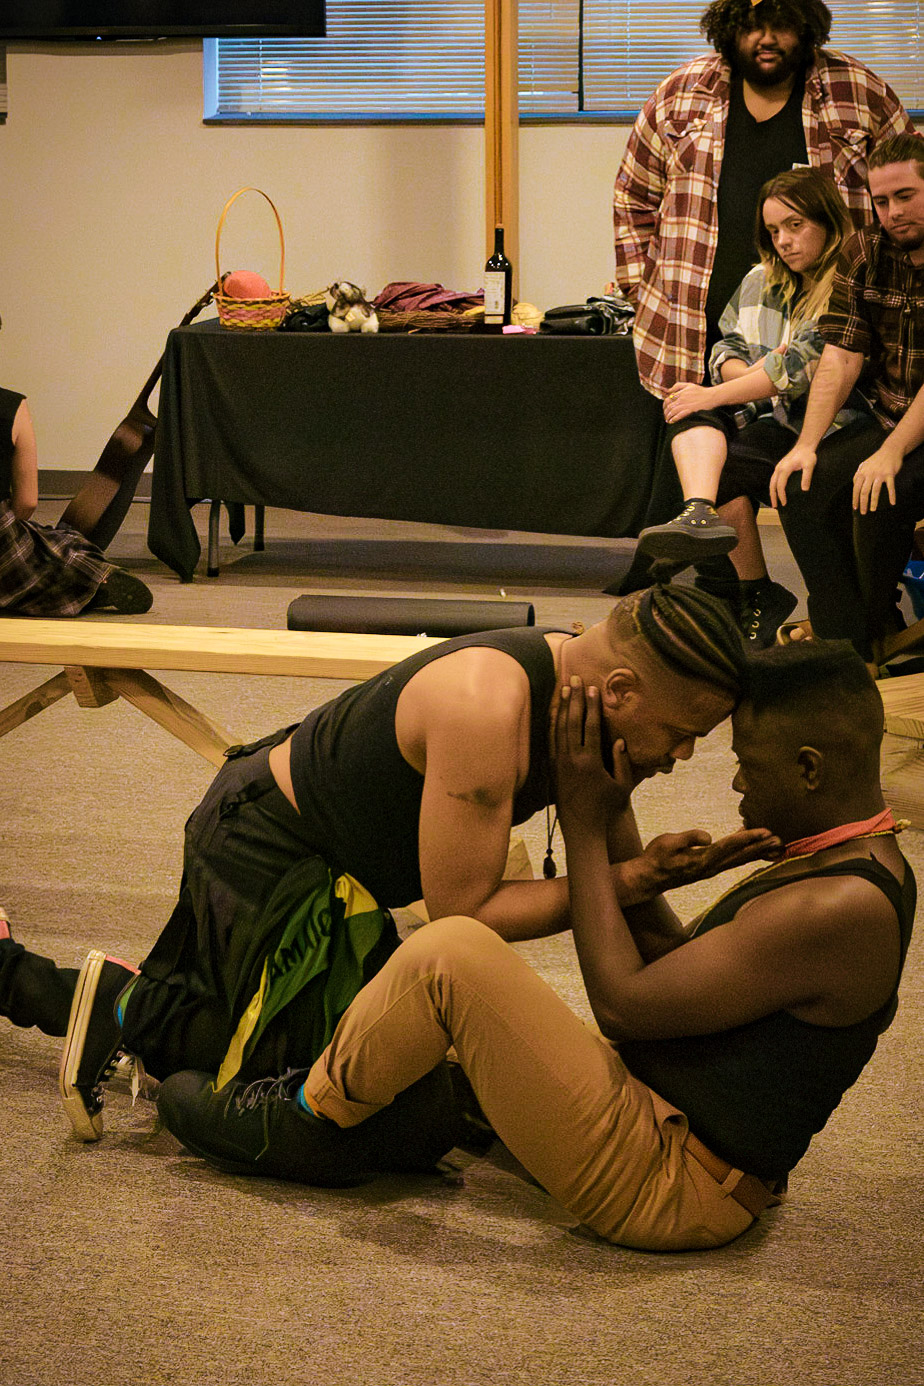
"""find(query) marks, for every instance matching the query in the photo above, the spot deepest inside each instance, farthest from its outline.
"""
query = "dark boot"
(261, 1129)
(765, 604)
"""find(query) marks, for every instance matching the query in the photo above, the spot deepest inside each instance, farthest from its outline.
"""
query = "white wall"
(110, 192)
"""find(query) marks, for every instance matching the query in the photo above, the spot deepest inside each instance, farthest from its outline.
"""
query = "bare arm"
(463, 722)
(838, 372)
(829, 955)
(739, 386)
(24, 489)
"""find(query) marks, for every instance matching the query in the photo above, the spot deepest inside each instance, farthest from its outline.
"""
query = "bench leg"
(34, 702)
(171, 712)
(259, 521)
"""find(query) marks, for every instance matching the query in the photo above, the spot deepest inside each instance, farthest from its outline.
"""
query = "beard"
(909, 237)
(756, 75)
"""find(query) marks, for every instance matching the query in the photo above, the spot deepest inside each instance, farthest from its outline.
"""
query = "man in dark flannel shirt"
(849, 505)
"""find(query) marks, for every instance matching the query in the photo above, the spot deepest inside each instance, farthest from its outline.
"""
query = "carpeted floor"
(130, 1261)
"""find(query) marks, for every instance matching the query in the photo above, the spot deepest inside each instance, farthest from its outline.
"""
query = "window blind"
(422, 59)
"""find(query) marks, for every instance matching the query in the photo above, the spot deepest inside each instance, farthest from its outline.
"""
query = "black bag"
(310, 319)
(610, 314)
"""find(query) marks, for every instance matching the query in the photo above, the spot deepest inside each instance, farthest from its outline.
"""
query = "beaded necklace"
(878, 826)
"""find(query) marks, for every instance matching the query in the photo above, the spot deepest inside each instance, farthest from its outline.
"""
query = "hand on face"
(586, 794)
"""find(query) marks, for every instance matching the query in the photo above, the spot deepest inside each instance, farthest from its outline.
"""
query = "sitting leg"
(555, 1091)
(33, 989)
(761, 605)
(698, 447)
(818, 524)
(883, 540)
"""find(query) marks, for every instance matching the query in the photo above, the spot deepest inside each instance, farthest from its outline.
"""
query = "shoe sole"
(684, 548)
(88, 1126)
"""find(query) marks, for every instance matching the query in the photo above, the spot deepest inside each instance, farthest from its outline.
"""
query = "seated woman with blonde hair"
(727, 437)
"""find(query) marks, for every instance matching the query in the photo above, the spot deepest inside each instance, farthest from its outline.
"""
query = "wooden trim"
(502, 128)
(60, 484)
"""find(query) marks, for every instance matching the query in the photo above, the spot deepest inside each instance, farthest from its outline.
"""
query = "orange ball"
(245, 284)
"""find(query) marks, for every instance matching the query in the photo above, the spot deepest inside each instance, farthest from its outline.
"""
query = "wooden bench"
(104, 660)
(903, 746)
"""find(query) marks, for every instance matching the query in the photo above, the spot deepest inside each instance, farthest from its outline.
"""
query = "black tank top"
(758, 1093)
(358, 797)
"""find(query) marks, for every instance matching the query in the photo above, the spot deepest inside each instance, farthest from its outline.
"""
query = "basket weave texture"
(427, 320)
(251, 314)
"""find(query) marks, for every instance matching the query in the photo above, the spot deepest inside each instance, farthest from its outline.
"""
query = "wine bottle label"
(494, 290)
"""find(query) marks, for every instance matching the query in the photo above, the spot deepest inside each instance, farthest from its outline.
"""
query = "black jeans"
(852, 563)
(34, 990)
(241, 844)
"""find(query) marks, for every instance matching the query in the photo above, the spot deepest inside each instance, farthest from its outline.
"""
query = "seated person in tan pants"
(722, 1048)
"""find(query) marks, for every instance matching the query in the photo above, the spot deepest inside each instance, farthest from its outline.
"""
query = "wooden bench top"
(207, 649)
(903, 700)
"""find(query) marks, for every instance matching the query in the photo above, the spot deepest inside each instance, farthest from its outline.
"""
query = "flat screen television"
(88, 20)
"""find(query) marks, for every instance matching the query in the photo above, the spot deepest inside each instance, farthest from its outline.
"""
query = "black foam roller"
(405, 615)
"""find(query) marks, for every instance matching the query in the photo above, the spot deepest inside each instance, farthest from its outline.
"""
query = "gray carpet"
(133, 1262)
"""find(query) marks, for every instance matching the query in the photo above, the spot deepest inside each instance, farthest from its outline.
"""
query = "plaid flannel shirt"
(665, 199)
(755, 326)
(877, 309)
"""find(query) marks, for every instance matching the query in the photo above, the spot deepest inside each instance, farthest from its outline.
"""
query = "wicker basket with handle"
(251, 314)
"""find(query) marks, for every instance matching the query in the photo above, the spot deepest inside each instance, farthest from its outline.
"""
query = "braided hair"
(690, 631)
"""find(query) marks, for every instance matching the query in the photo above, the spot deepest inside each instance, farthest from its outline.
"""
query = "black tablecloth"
(552, 435)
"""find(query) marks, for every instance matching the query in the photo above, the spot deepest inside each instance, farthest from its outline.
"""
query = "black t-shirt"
(755, 150)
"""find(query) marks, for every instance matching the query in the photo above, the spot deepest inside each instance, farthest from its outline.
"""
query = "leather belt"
(753, 1194)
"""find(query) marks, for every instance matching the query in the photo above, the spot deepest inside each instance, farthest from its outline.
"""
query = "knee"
(451, 944)
(797, 500)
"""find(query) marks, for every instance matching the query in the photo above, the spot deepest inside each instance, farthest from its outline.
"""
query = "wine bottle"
(498, 286)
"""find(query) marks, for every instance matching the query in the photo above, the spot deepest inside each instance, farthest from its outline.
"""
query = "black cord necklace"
(549, 867)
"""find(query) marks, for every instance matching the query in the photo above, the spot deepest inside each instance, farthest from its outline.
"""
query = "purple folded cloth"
(406, 297)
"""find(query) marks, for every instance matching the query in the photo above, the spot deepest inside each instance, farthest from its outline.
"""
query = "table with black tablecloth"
(543, 434)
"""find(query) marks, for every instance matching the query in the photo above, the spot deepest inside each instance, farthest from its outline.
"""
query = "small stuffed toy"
(348, 309)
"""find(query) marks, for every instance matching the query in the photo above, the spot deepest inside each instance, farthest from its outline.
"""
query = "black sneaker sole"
(680, 546)
(124, 594)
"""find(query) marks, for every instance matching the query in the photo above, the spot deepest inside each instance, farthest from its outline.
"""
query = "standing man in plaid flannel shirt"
(702, 147)
(849, 506)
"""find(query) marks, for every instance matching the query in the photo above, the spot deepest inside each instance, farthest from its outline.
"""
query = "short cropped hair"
(724, 20)
(906, 148)
(825, 685)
